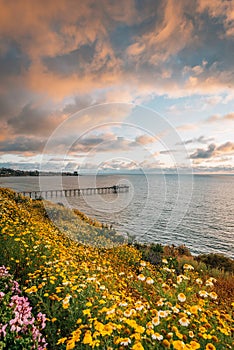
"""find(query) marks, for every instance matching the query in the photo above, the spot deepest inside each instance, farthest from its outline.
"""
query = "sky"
(113, 86)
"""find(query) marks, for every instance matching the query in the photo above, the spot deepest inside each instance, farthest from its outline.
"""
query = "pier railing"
(75, 191)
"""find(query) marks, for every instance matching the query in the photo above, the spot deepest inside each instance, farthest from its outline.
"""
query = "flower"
(149, 280)
(157, 336)
(199, 281)
(163, 313)
(213, 295)
(210, 346)
(184, 321)
(178, 345)
(125, 341)
(88, 338)
(137, 346)
(181, 297)
(188, 267)
(156, 321)
(203, 294)
(194, 345)
(141, 277)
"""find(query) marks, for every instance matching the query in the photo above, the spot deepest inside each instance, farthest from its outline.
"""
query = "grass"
(97, 292)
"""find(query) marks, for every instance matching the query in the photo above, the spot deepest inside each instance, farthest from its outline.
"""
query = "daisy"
(181, 297)
(141, 277)
(213, 295)
(157, 336)
(184, 321)
(149, 280)
(203, 294)
(125, 341)
(156, 321)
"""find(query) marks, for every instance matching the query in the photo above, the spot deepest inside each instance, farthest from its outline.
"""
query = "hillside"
(88, 289)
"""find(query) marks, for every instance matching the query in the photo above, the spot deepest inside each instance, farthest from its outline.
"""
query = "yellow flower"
(194, 345)
(33, 289)
(166, 343)
(210, 346)
(178, 345)
(70, 344)
(86, 312)
(62, 340)
(88, 338)
(137, 346)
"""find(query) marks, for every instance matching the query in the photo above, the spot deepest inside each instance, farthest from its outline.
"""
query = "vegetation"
(5, 172)
(104, 296)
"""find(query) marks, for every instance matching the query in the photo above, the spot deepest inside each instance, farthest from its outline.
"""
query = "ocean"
(169, 209)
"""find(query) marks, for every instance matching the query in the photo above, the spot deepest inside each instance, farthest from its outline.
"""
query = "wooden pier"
(75, 191)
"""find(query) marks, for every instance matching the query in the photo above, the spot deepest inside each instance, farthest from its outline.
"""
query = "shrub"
(217, 261)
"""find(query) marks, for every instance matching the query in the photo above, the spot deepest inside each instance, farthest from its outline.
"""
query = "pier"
(75, 192)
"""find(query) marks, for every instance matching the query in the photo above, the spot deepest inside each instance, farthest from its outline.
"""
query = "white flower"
(125, 342)
(184, 321)
(209, 283)
(111, 311)
(143, 263)
(188, 267)
(203, 294)
(157, 336)
(123, 304)
(162, 313)
(213, 295)
(175, 310)
(156, 321)
(199, 281)
(139, 306)
(181, 297)
(164, 261)
(149, 280)
(141, 277)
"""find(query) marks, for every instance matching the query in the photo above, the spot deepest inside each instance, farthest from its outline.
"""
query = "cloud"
(227, 147)
(203, 154)
(219, 118)
(24, 145)
(142, 46)
(213, 151)
(145, 139)
(34, 120)
(200, 139)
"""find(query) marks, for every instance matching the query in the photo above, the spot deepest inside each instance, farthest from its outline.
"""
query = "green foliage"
(217, 261)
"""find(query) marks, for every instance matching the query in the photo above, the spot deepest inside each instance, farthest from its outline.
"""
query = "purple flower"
(3, 271)
(3, 330)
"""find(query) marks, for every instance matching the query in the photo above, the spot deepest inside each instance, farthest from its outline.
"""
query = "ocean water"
(193, 210)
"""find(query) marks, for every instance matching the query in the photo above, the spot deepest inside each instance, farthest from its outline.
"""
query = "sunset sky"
(117, 85)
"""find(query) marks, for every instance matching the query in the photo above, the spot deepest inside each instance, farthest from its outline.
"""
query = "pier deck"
(75, 191)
